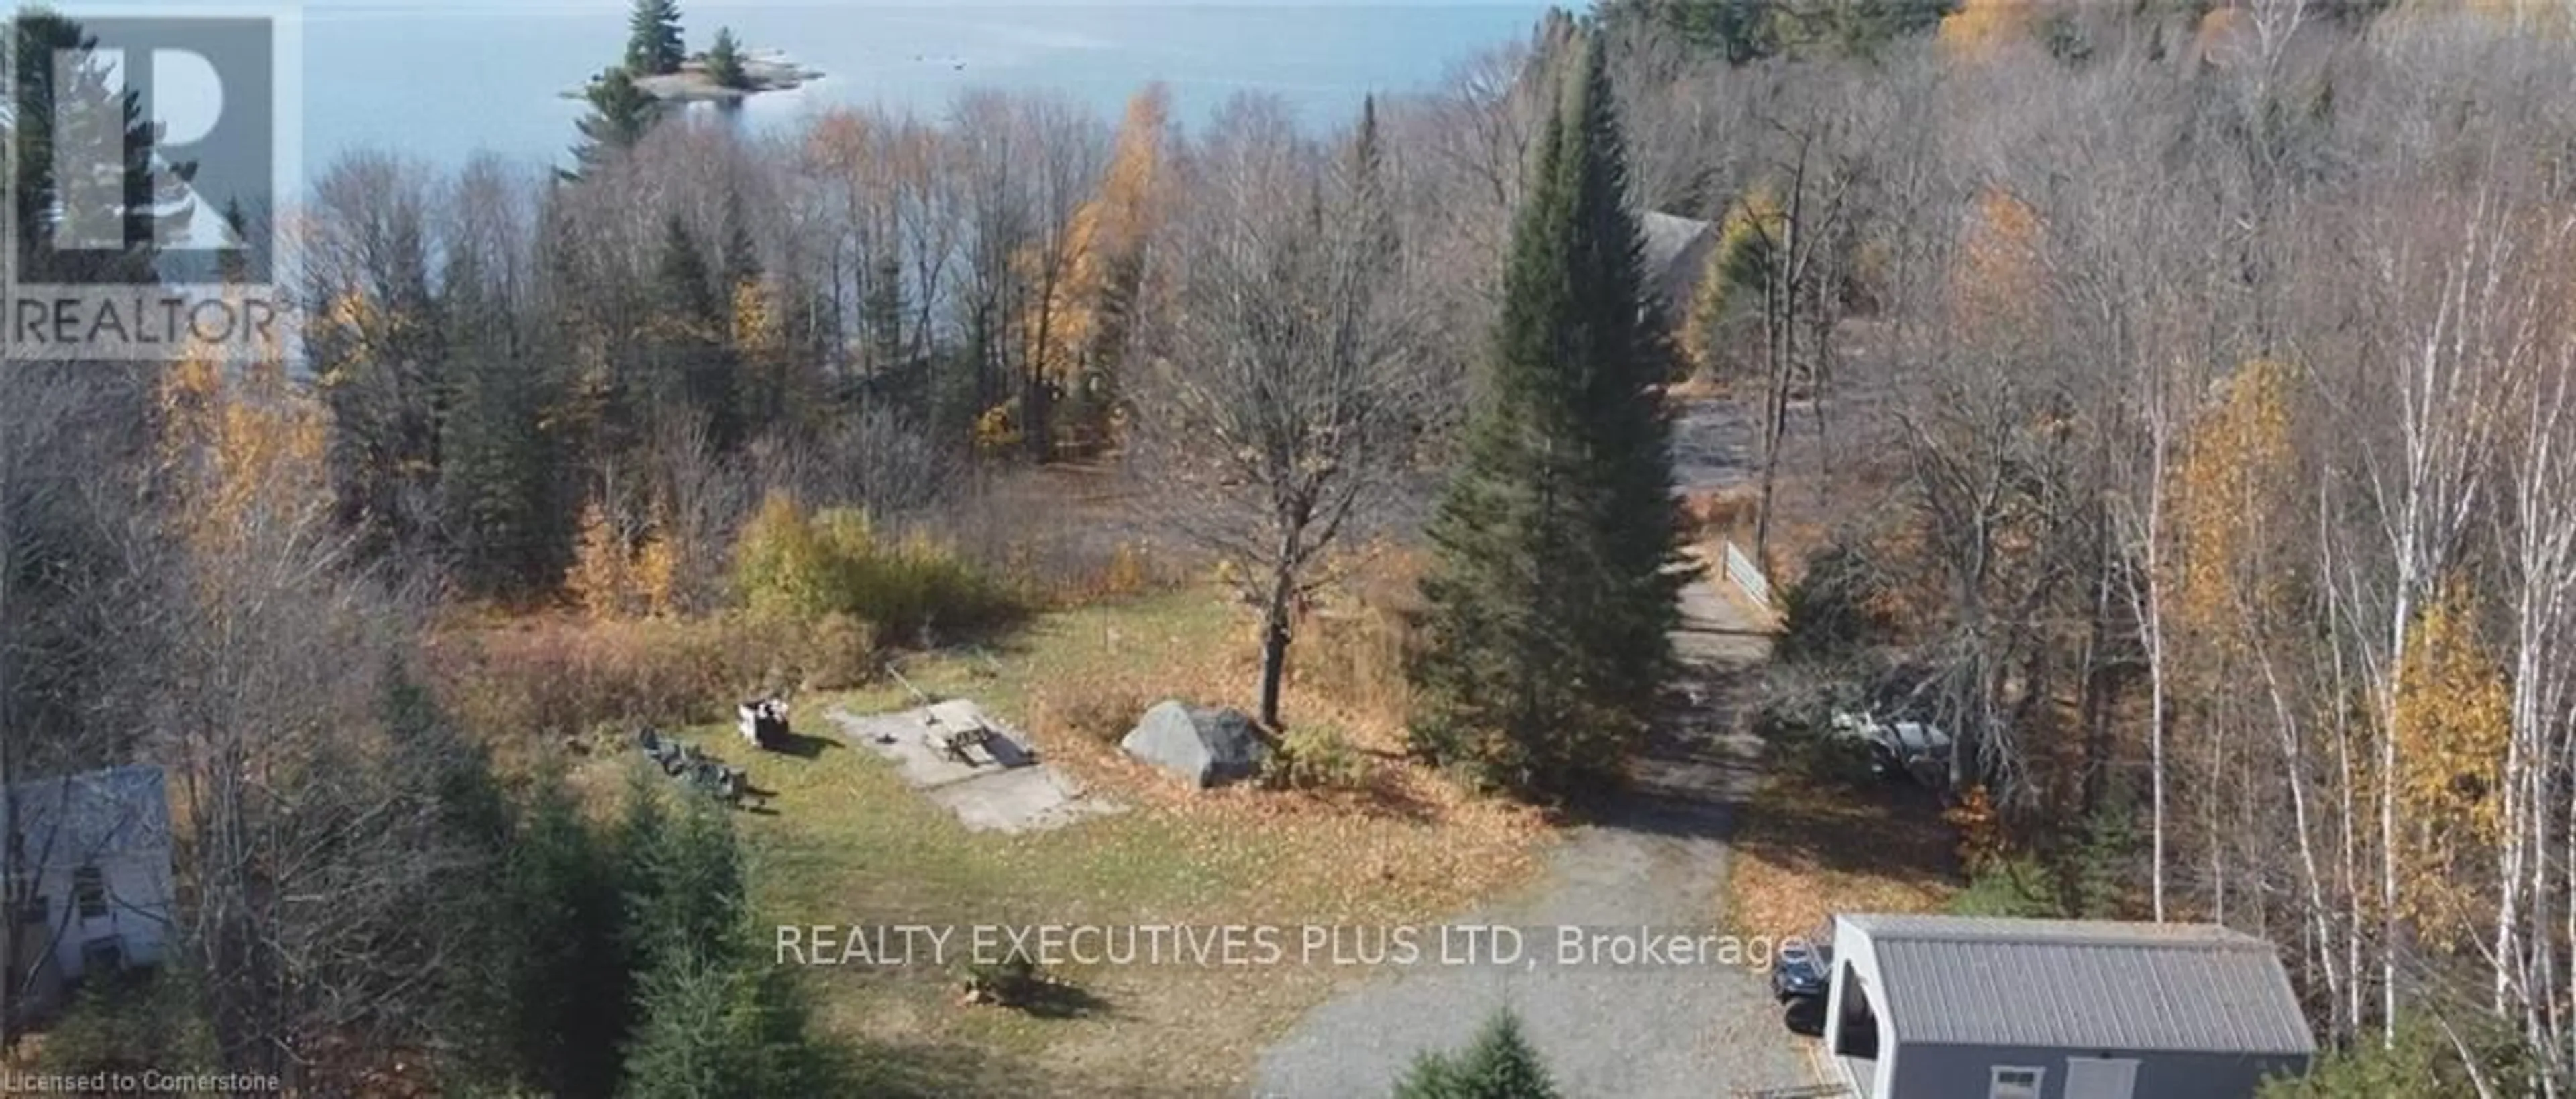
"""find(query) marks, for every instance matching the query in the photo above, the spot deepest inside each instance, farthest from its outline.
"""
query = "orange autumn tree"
(601, 579)
(1979, 27)
(1078, 333)
(1996, 290)
(617, 572)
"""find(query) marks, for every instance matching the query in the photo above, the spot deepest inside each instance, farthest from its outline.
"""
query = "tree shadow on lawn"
(1061, 1000)
(801, 746)
(1889, 831)
(1386, 796)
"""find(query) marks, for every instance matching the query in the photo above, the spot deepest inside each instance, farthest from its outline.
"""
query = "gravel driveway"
(1656, 860)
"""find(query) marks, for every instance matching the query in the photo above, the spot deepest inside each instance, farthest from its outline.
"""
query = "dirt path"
(1655, 860)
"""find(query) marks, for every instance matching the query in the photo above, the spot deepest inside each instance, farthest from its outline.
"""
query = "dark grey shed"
(1943, 1007)
(1673, 251)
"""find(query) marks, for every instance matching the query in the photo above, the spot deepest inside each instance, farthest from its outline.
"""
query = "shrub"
(1354, 650)
(1835, 610)
(2013, 888)
(1983, 843)
(839, 651)
(1129, 570)
(1096, 710)
(130, 1023)
(1315, 757)
(1795, 723)
(789, 564)
(1717, 513)
(2425, 1059)
(564, 677)
(1814, 751)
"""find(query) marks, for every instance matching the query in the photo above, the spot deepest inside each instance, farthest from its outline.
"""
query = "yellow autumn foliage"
(1103, 239)
(597, 580)
(2452, 721)
(616, 576)
(2235, 463)
(243, 447)
(656, 573)
(1745, 237)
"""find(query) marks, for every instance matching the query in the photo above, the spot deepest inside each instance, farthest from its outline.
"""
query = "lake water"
(442, 79)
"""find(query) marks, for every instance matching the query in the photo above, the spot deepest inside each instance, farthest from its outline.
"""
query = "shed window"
(2013, 1082)
(89, 891)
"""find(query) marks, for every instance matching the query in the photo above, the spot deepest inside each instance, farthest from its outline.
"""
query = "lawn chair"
(663, 751)
(763, 723)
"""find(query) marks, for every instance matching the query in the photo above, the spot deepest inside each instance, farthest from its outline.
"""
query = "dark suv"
(1804, 967)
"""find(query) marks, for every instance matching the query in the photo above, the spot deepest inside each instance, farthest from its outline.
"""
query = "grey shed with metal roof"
(1942, 1007)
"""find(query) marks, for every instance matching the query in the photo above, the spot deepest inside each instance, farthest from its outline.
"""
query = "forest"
(2176, 399)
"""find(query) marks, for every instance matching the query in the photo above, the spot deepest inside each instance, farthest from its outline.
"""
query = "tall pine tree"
(499, 482)
(620, 115)
(725, 62)
(1557, 559)
(653, 45)
(691, 360)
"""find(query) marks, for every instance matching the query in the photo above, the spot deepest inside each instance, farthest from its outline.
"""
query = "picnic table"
(953, 742)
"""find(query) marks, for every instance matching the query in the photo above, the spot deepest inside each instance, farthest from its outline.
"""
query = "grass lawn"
(846, 843)
(1806, 849)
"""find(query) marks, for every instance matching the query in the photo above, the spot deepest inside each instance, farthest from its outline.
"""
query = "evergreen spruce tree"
(1500, 1064)
(715, 1016)
(724, 62)
(620, 115)
(86, 112)
(1432, 1076)
(1550, 599)
(881, 313)
(685, 886)
(689, 339)
(557, 982)
(731, 1024)
(653, 44)
(498, 481)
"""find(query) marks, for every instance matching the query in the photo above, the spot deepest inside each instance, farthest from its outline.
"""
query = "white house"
(88, 867)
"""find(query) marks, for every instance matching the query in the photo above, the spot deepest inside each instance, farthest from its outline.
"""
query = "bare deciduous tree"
(1286, 398)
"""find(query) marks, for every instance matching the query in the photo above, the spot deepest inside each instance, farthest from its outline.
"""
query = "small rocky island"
(658, 66)
(695, 81)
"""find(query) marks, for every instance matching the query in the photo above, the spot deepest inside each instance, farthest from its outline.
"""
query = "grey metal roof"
(1673, 249)
(2083, 984)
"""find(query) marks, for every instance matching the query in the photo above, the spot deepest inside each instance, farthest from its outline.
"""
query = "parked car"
(1803, 968)
(1919, 750)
